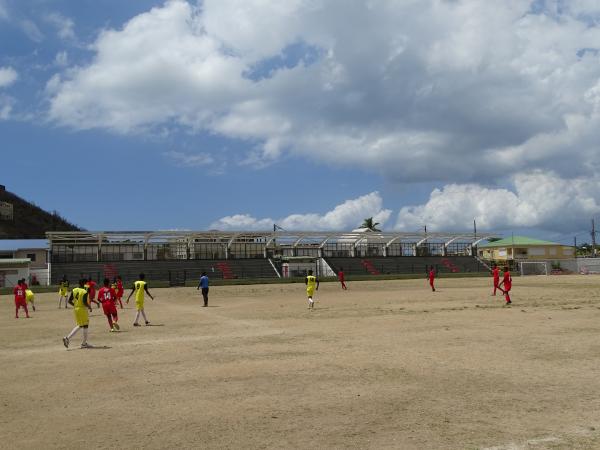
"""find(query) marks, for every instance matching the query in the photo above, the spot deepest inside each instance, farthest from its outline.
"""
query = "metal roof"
(521, 241)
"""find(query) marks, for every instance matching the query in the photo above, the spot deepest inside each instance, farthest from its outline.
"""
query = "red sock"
(110, 322)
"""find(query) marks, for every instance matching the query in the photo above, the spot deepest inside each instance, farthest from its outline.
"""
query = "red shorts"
(507, 287)
(109, 309)
(119, 294)
(20, 302)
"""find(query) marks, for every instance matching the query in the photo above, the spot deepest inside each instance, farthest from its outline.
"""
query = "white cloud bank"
(538, 200)
(433, 90)
(345, 216)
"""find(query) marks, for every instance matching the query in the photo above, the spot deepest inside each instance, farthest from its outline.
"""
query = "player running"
(108, 297)
(312, 285)
(507, 282)
(20, 299)
(342, 278)
(120, 291)
(29, 296)
(90, 285)
(140, 287)
(431, 276)
(496, 276)
(79, 299)
(63, 291)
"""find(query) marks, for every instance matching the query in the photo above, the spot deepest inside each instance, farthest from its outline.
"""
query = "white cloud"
(61, 59)
(189, 160)
(537, 199)
(64, 25)
(441, 91)
(8, 76)
(345, 216)
(32, 31)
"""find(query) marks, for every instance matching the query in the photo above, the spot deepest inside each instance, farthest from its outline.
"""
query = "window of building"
(31, 256)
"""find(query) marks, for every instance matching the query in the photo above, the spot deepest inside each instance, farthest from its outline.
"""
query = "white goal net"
(533, 268)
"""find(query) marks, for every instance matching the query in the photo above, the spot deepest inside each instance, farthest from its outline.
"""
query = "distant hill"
(20, 219)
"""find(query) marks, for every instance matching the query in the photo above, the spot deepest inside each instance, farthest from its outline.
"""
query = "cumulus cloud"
(536, 199)
(6, 106)
(8, 76)
(345, 216)
(61, 59)
(426, 91)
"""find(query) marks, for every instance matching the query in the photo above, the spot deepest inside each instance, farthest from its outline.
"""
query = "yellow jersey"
(139, 291)
(29, 295)
(80, 298)
(64, 287)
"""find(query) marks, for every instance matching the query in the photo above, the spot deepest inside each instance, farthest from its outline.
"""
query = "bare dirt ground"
(386, 364)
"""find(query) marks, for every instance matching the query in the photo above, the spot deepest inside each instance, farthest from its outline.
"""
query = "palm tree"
(370, 225)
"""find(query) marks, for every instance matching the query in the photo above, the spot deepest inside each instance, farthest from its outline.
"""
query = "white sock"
(144, 314)
(85, 336)
(73, 332)
(137, 316)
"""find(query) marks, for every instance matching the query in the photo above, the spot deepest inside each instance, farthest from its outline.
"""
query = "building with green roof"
(521, 248)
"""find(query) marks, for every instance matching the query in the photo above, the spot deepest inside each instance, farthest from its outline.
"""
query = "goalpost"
(533, 268)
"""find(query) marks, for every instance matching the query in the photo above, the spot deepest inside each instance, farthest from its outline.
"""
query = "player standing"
(312, 285)
(204, 285)
(20, 299)
(140, 287)
(507, 282)
(79, 299)
(431, 276)
(63, 291)
(496, 276)
(108, 297)
(342, 278)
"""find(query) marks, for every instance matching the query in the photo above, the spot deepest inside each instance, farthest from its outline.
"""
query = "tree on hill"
(370, 225)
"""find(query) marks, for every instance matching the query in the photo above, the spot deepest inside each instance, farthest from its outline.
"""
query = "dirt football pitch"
(384, 365)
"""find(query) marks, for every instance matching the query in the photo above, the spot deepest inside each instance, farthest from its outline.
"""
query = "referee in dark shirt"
(204, 285)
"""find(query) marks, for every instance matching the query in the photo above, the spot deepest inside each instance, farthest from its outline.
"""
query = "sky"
(311, 114)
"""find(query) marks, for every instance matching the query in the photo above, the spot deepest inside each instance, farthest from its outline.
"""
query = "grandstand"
(179, 256)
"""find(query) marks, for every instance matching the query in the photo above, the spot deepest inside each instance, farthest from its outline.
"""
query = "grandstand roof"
(521, 241)
(268, 237)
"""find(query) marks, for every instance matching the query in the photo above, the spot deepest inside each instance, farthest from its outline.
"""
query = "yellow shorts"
(139, 305)
(81, 316)
(310, 292)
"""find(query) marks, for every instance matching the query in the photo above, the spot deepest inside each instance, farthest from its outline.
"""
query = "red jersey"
(107, 295)
(119, 288)
(91, 285)
(496, 273)
(341, 275)
(19, 292)
(432, 274)
(507, 280)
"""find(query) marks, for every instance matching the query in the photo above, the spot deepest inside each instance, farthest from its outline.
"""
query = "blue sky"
(231, 114)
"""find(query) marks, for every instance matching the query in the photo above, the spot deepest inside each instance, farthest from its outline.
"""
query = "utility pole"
(475, 228)
(593, 238)
(575, 244)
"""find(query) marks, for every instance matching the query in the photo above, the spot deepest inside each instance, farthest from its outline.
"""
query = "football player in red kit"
(108, 297)
(20, 299)
(507, 283)
(342, 278)
(496, 275)
(431, 276)
(120, 290)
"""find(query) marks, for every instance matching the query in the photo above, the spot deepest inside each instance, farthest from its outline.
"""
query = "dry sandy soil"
(386, 364)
